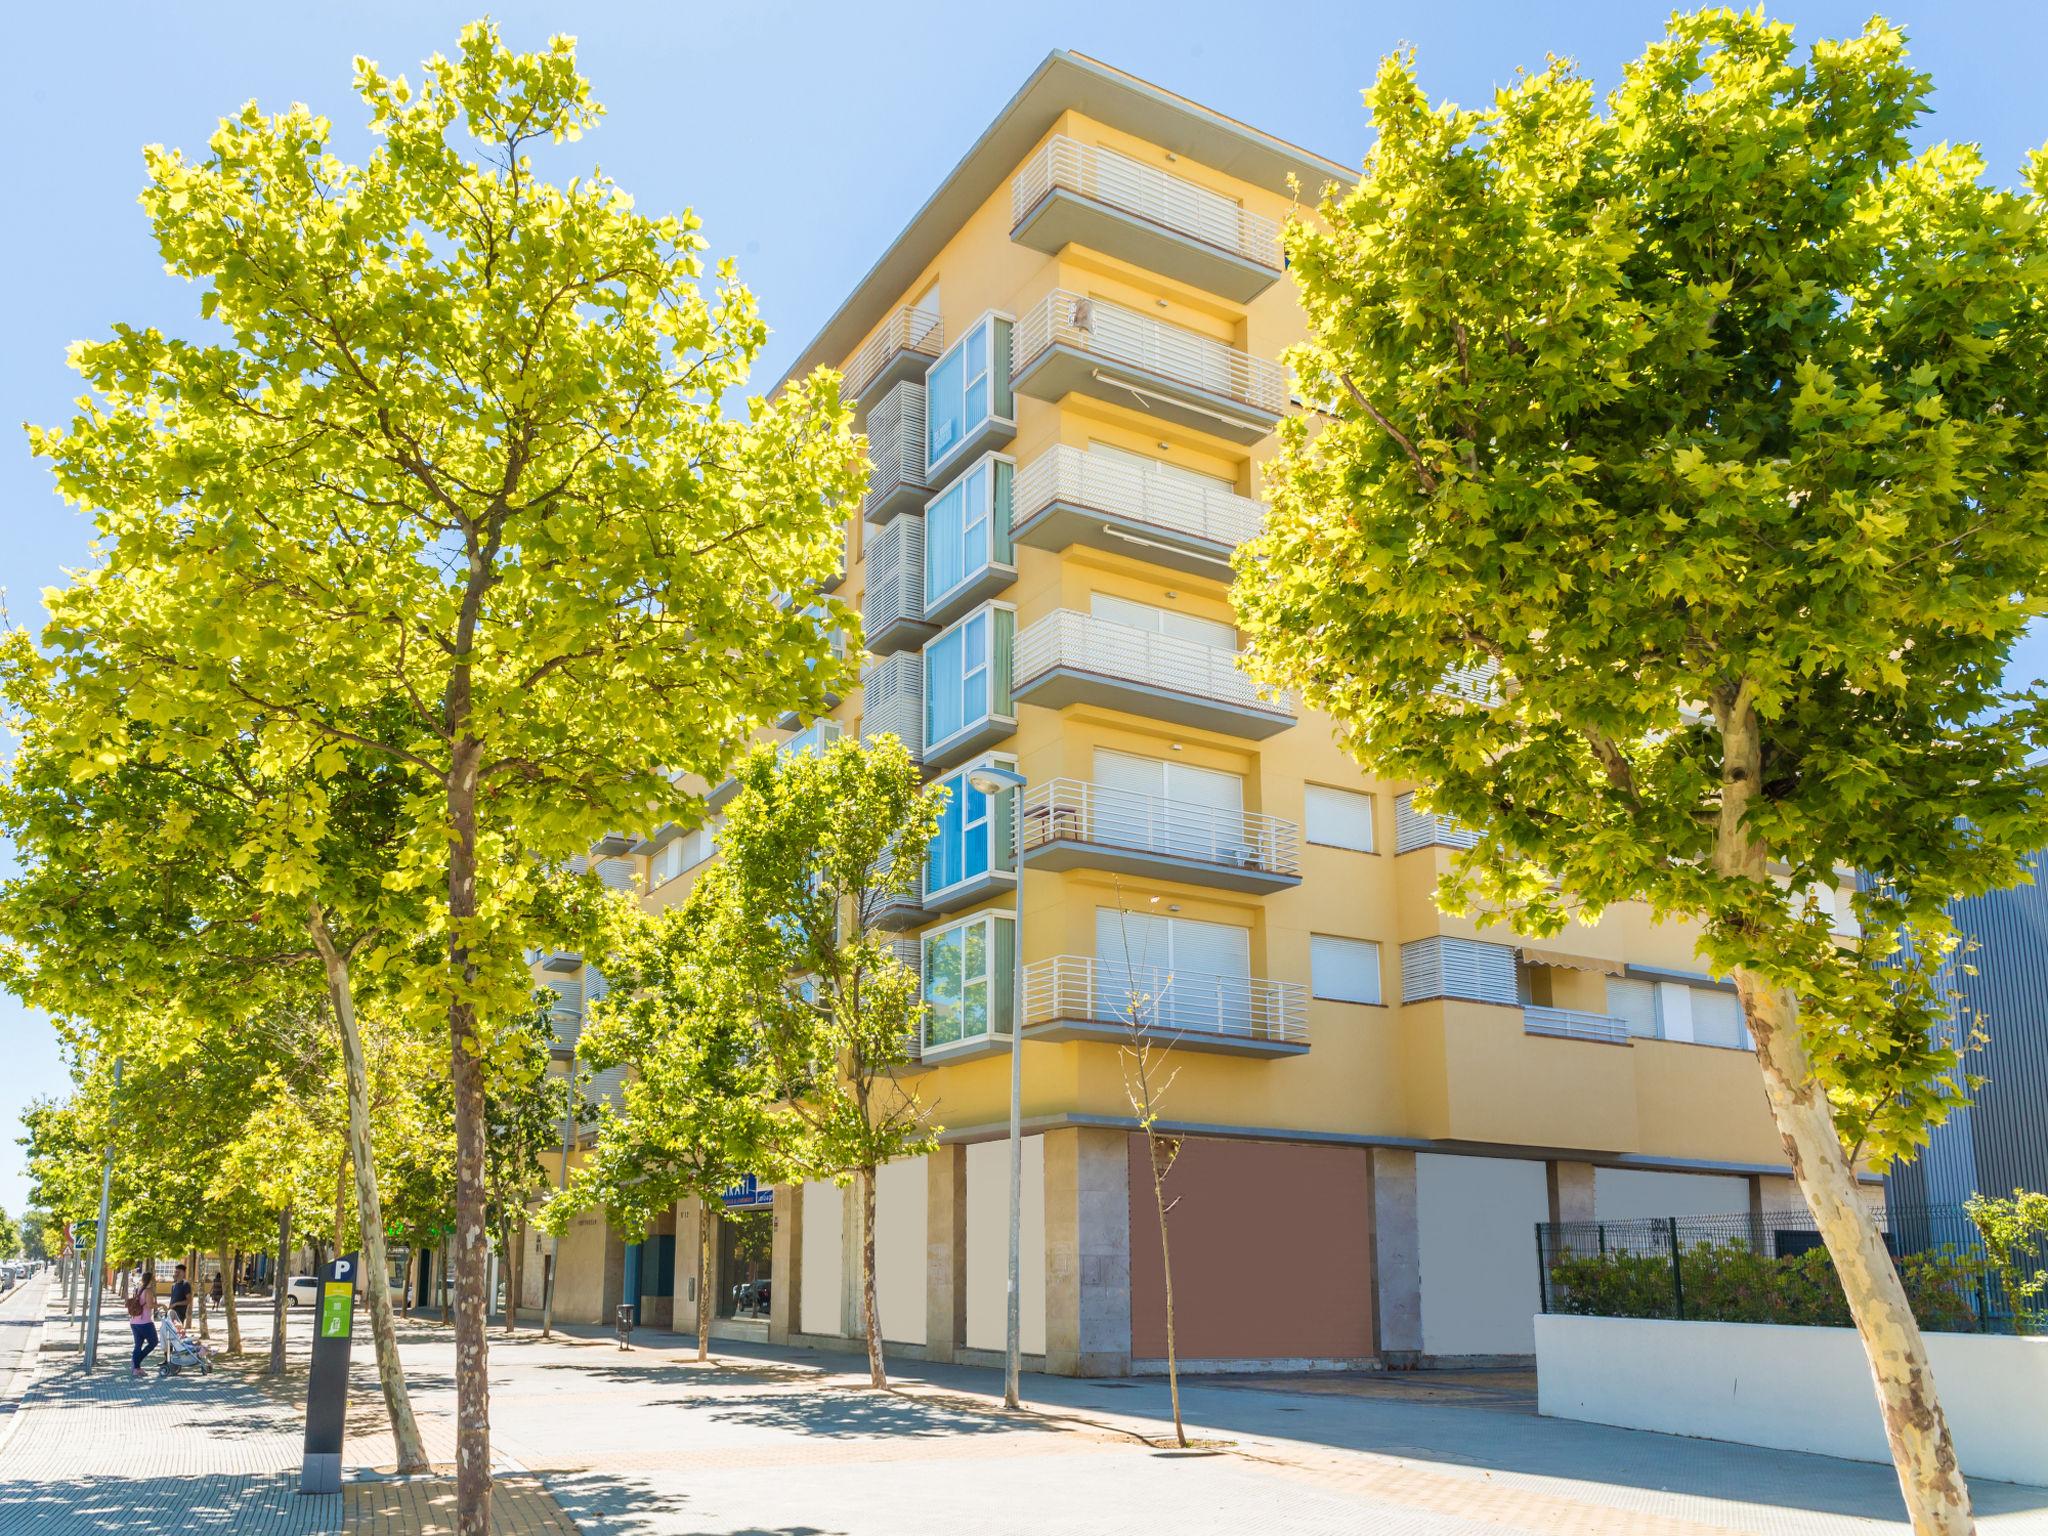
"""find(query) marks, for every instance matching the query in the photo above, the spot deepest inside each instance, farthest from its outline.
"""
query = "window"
(1344, 970)
(1678, 1010)
(1175, 972)
(967, 529)
(969, 842)
(666, 864)
(1169, 807)
(1162, 621)
(967, 388)
(1338, 818)
(1467, 968)
(966, 674)
(969, 971)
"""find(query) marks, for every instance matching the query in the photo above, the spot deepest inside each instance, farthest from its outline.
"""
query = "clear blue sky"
(803, 134)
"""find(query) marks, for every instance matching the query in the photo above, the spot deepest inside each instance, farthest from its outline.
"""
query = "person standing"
(181, 1297)
(142, 1321)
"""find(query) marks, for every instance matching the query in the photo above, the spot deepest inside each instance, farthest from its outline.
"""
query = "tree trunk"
(341, 1202)
(870, 1314)
(472, 1248)
(1937, 1499)
(707, 1244)
(1180, 1435)
(227, 1298)
(197, 1270)
(405, 1430)
(277, 1299)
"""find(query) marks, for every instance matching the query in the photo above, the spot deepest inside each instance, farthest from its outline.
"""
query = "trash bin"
(625, 1322)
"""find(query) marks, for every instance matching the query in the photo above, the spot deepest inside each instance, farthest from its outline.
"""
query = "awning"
(1566, 962)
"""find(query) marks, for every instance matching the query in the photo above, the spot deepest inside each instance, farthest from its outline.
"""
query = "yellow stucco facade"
(1568, 1054)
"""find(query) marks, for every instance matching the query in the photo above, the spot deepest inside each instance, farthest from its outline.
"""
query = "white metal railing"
(1158, 498)
(1573, 1024)
(1145, 192)
(908, 330)
(893, 701)
(895, 585)
(1084, 989)
(1066, 638)
(895, 434)
(1077, 810)
(1168, 352)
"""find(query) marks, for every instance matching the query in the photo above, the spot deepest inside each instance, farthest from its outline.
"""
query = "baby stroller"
(182, 1350)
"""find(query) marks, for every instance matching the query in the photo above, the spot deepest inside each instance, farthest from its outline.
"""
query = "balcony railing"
(1191, 1005)
(917, 332)
(895, 431)
(1075, 810)
(1144, 192)
(1082, 643)
(1572, 1024)
(893, 701)
(1170, 353)
(1178, 504)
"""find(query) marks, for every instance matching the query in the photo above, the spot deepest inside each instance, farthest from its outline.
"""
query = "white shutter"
(1716, 1017)
(1154, 620)
(1126, 771)
(1636, 1002)
(1338, 818)
(1481, 973)
(1344, 970)
(1144, 463)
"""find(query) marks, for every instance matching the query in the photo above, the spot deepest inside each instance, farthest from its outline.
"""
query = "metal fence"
(1772, 1267)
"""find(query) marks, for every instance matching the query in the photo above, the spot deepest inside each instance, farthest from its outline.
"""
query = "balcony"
(1071, 344)
(1081, 194)
(1573, 1024)
(896, 449)
(892, 607)
(1078, 997)
(1070, 496)
(560, 961)
(1073, 658)
(902, 349)
(893, 702)
(1071, 823)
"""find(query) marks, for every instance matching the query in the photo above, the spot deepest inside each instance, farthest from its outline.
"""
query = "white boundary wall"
(1796, 1389)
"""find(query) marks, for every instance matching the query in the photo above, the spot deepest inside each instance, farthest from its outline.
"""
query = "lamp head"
(991, 780)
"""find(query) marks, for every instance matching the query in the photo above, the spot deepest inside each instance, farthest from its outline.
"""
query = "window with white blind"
(1184, 974)
(1155, 620)
(1337, 818)
(1344, 970)
(665, 863)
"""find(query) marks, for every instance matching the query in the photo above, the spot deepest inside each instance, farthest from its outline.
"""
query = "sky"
(804, 134)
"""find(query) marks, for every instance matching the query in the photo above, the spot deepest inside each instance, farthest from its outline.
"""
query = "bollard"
(625, 1321)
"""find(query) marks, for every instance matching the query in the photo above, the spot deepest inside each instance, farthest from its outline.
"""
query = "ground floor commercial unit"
(1286, 1253)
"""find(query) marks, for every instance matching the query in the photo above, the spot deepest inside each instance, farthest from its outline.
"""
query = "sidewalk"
(776, 1442)
(107, 1453)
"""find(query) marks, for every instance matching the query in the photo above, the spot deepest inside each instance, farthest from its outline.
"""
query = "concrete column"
(786, 1256)
(1396, 1258)
(1570, 1187)
(1087, 1252)
(945, 1288)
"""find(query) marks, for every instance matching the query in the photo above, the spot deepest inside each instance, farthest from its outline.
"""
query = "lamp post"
(991, 781)
(99, 1246)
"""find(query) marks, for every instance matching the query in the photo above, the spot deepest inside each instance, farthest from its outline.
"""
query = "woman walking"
(142, 1319)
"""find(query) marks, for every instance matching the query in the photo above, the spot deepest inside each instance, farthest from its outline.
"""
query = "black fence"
(1771, 1267)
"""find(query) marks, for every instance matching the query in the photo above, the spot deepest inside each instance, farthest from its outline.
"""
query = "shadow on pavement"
(270, 1503)
(836, 1412)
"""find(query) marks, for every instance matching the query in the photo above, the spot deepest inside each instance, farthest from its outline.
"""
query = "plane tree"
(1671, 511)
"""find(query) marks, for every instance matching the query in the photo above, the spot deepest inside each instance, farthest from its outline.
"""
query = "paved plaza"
(767, 1442)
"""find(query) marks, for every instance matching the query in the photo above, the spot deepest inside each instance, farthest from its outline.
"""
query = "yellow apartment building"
(1067, 367)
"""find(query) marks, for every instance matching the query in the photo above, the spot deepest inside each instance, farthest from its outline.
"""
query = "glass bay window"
(968, 405)
(967, 551)
(969, 980)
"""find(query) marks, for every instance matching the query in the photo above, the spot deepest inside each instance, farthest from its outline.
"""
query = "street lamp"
(991, 781)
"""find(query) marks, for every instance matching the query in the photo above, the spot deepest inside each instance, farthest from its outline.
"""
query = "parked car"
(750, 1298)
(304, 1290)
